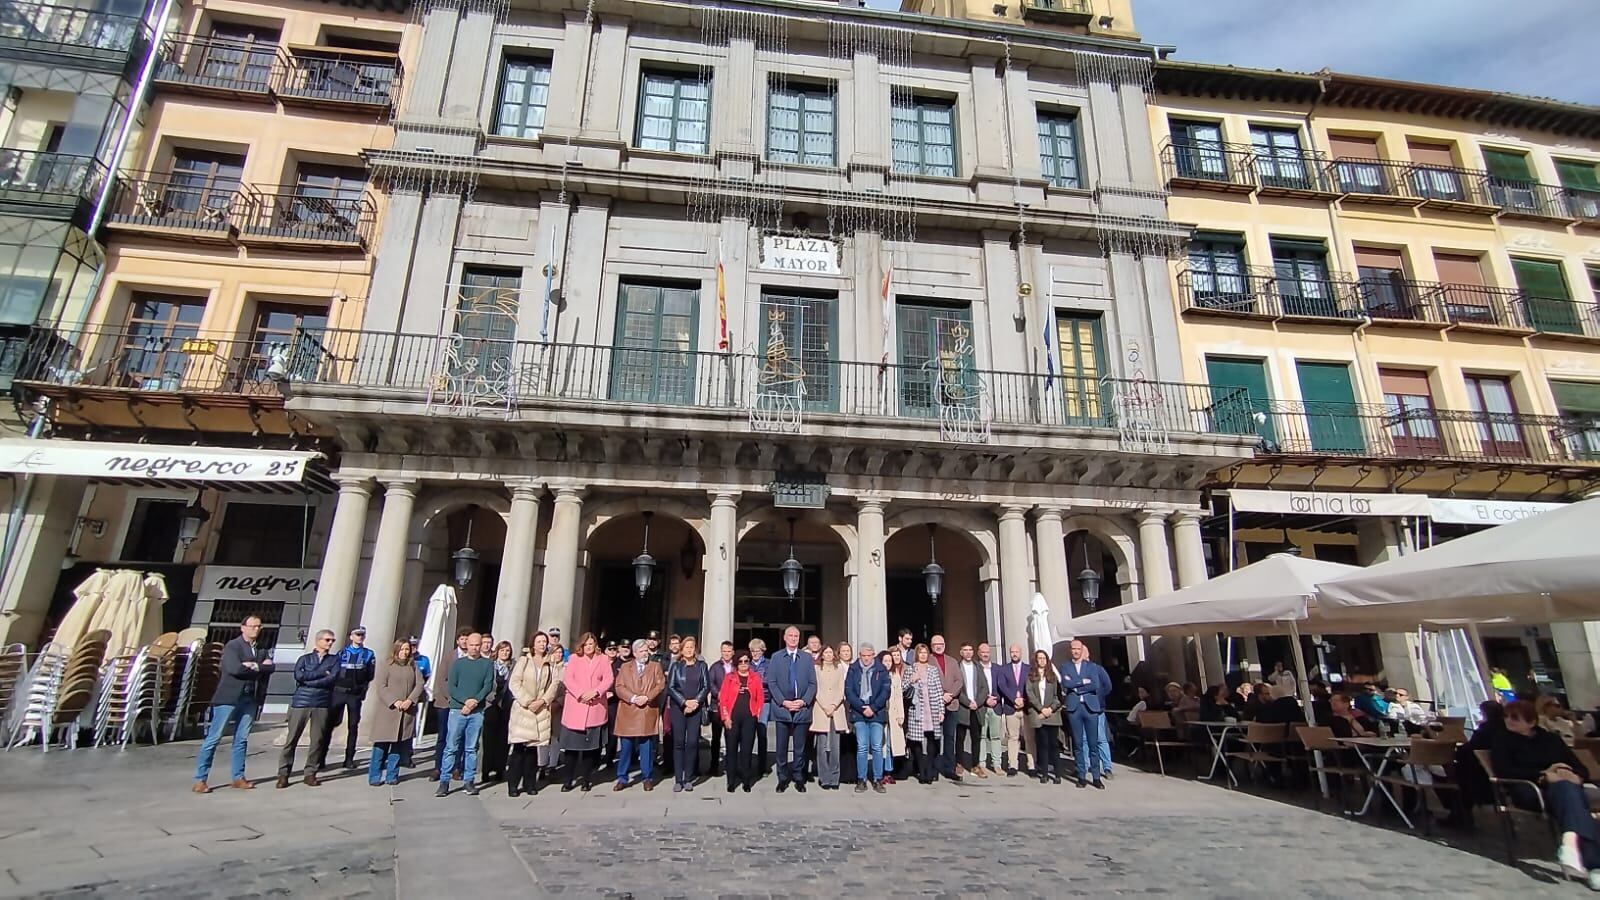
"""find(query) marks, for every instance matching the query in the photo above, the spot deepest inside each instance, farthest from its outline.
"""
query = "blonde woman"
(533, 685)
(688, 688)
(828, 719)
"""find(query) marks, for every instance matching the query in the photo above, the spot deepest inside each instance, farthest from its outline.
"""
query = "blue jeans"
(463, 734)
(1085, 740)
(869, 750)
(221, 716)
(646, 749)
(385, 764)
(1105, 744)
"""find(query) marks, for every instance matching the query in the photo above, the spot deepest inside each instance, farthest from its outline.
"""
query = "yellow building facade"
(1404, 278)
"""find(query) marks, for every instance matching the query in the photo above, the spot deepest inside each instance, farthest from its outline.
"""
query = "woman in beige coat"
(828, 718)
(395, 720)
(894, 744)
(534, 683)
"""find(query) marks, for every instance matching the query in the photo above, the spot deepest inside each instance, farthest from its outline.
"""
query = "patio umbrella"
(437, 641)
(1104, 623)
(1545, 568)
(1259, 597)
(87, 598)
(1039, 632)
(132, 611)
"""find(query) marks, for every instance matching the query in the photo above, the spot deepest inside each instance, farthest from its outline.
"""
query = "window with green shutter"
(1506, 165)
(938, 363)
(1241, 399)
(653, 358)
(798, 358)
(1329, 399)
(1580, 183)
(1579, 403)
(1058, 148)
(1545, 294)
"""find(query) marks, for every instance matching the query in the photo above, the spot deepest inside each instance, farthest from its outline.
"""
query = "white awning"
(1487, 512)
(162, 463)
(1329, 503)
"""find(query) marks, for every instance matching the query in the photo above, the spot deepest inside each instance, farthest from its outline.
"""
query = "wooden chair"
(1154, 728)
(1424, 754)
(1264, 744)
(1447, 732)
(1506, 809)
(1317, 739)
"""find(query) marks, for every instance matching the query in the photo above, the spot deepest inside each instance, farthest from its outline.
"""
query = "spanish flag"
(722, 302)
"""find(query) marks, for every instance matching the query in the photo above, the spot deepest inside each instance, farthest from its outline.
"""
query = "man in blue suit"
(791, 682)
(1085, 685)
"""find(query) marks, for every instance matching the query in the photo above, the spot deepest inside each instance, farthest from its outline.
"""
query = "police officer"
(357, 665)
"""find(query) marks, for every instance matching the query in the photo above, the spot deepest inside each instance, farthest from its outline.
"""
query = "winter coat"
(400, 681)
(313, 681)
(533, 679)
(830, 696)
(897, 715)
(584, 675)
(639, 721)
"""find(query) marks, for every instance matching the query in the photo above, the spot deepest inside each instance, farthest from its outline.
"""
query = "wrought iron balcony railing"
(66, 29)
(1227, 167)
(1528, 199)
(1292, 172)
(1370, 430)
(1583, 205)
(174, 359)
(358, 79)
(1477, 304)
(175, 201)
(1555, 316)
(459, 374)
(304, 215)
(1409, 182)
(1266, 292)
(51, 179)
(217, 64)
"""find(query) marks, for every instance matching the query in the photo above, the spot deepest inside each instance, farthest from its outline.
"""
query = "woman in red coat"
(739, 704)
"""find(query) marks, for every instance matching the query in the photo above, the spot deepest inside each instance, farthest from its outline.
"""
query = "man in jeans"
(245, 669)
(866, 706)
(314, 674)
(471, 681)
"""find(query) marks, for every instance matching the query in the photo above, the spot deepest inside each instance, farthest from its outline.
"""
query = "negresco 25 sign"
(814, 256)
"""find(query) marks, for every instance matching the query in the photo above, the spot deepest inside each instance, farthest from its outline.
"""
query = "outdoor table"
(1217, 732)
(1391, 748)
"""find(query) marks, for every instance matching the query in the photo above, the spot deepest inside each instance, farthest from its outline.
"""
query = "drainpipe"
(19, 505)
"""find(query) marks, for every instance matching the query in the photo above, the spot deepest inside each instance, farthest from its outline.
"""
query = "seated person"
(1526, 752)
(1321, 710)
(1347, 721)
(1181, 707)
(1260, 696)
(1216, 705)
(1371, 703)
(1407, 711)
(1475, 789)
(1283, 709)
(1553, 717)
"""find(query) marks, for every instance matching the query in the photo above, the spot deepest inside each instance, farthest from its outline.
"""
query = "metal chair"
(1426, 753)
(1264, 742)
(1505, 806)
(1319, 743)
(1154, 725)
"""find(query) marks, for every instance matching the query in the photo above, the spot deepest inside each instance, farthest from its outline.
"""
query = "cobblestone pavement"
(108, 823)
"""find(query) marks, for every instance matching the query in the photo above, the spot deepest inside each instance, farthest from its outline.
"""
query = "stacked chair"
(13, 668)
(197, 666)
(131, 690)
(57, 691)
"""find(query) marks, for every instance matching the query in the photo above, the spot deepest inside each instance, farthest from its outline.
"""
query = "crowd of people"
(545, 714)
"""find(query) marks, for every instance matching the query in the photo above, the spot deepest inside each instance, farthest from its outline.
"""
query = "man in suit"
(905, 647)
(1010, 683)
(720, 669)
(791, 681)
(988, 728)
(950, 681)
(1085, 686)
(971, 705)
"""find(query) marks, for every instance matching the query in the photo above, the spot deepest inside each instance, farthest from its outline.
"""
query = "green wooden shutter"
(1550, 306)
(1577, 397)
(1331, 417)
(934, 341)
(1580, 176)
(653, 355)
(1250, 374)
(1510, 166)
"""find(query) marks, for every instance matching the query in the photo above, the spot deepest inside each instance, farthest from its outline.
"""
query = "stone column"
(1192, 571)
(1155, 567)
(1054, 571)
(872, 600)
(721, 562)
(559, 599)
(337, 583)
(1014, 581)
(380, 608)
(516, 564)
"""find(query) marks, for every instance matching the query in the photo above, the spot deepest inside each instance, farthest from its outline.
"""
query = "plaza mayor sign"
(809, 255)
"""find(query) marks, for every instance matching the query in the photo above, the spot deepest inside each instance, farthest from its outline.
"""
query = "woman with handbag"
(924, 722)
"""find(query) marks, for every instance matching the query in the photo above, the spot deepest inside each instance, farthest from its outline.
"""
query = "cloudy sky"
(1545, 48)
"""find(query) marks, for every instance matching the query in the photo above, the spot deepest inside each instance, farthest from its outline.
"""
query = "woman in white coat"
(534, 683)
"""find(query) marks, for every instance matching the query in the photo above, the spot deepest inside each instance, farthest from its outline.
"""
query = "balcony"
(327, 77)
(53, 33)
(1064, 12)
(1478, 305)
(1264, 293)
(1370, 431)
(463, 376)
(288, 215)
(1284, 174)
(1583, 205)
(30, 179)
(1529, 200)
(1209, 167)
(175, 205)
(1548, 315)
(216, 67)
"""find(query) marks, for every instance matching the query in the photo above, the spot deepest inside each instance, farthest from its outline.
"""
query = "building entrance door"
(762, 610)
(909, 606)
(620, 613)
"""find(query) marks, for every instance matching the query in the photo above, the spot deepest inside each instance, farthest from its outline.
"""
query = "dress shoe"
(283, 782)
(586, 787)
(747, 788)
(649, 784)
(567, 787)
(1099, 785)
(621, 785)
(980, 772)
(200, 787)
(513, 792)
(1011, 773)
(349, 764)
(783, 786)
(877, 786)
(799, 787)
(1082, 783)
(732, 788)
(311, 780)
(243, 784)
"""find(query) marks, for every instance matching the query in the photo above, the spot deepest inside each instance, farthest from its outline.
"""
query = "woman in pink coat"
(583, 715)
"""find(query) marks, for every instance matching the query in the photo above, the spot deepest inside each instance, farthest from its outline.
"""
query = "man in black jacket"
(314, 675)
(240, 690)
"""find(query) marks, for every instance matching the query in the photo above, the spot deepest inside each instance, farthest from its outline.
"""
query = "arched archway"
(614, 608)
(964, 545)
(824, 546)
(444, 520)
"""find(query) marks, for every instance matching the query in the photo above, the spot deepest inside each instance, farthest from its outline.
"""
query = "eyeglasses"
(325, 640)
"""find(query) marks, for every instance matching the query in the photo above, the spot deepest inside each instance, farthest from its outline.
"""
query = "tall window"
(1058, 148)
(1549, 300)
(272, 341)
(524, 91)
(1580, 183)
(238, 53)
(1280, 161)
(1197, 150)
(486, 320)
(1511, 183)
(262, 534)
(1408, 405)
(204, 183)
(924, 135)
(1385, 291)
(798, 357)
(1081, 348)
(1216, 273)
(1579, 403)
(653, 359)
(937, 357)
(1498, 429)
(800, 124)
(152, 357)
(674, 109)
(1304, 286)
